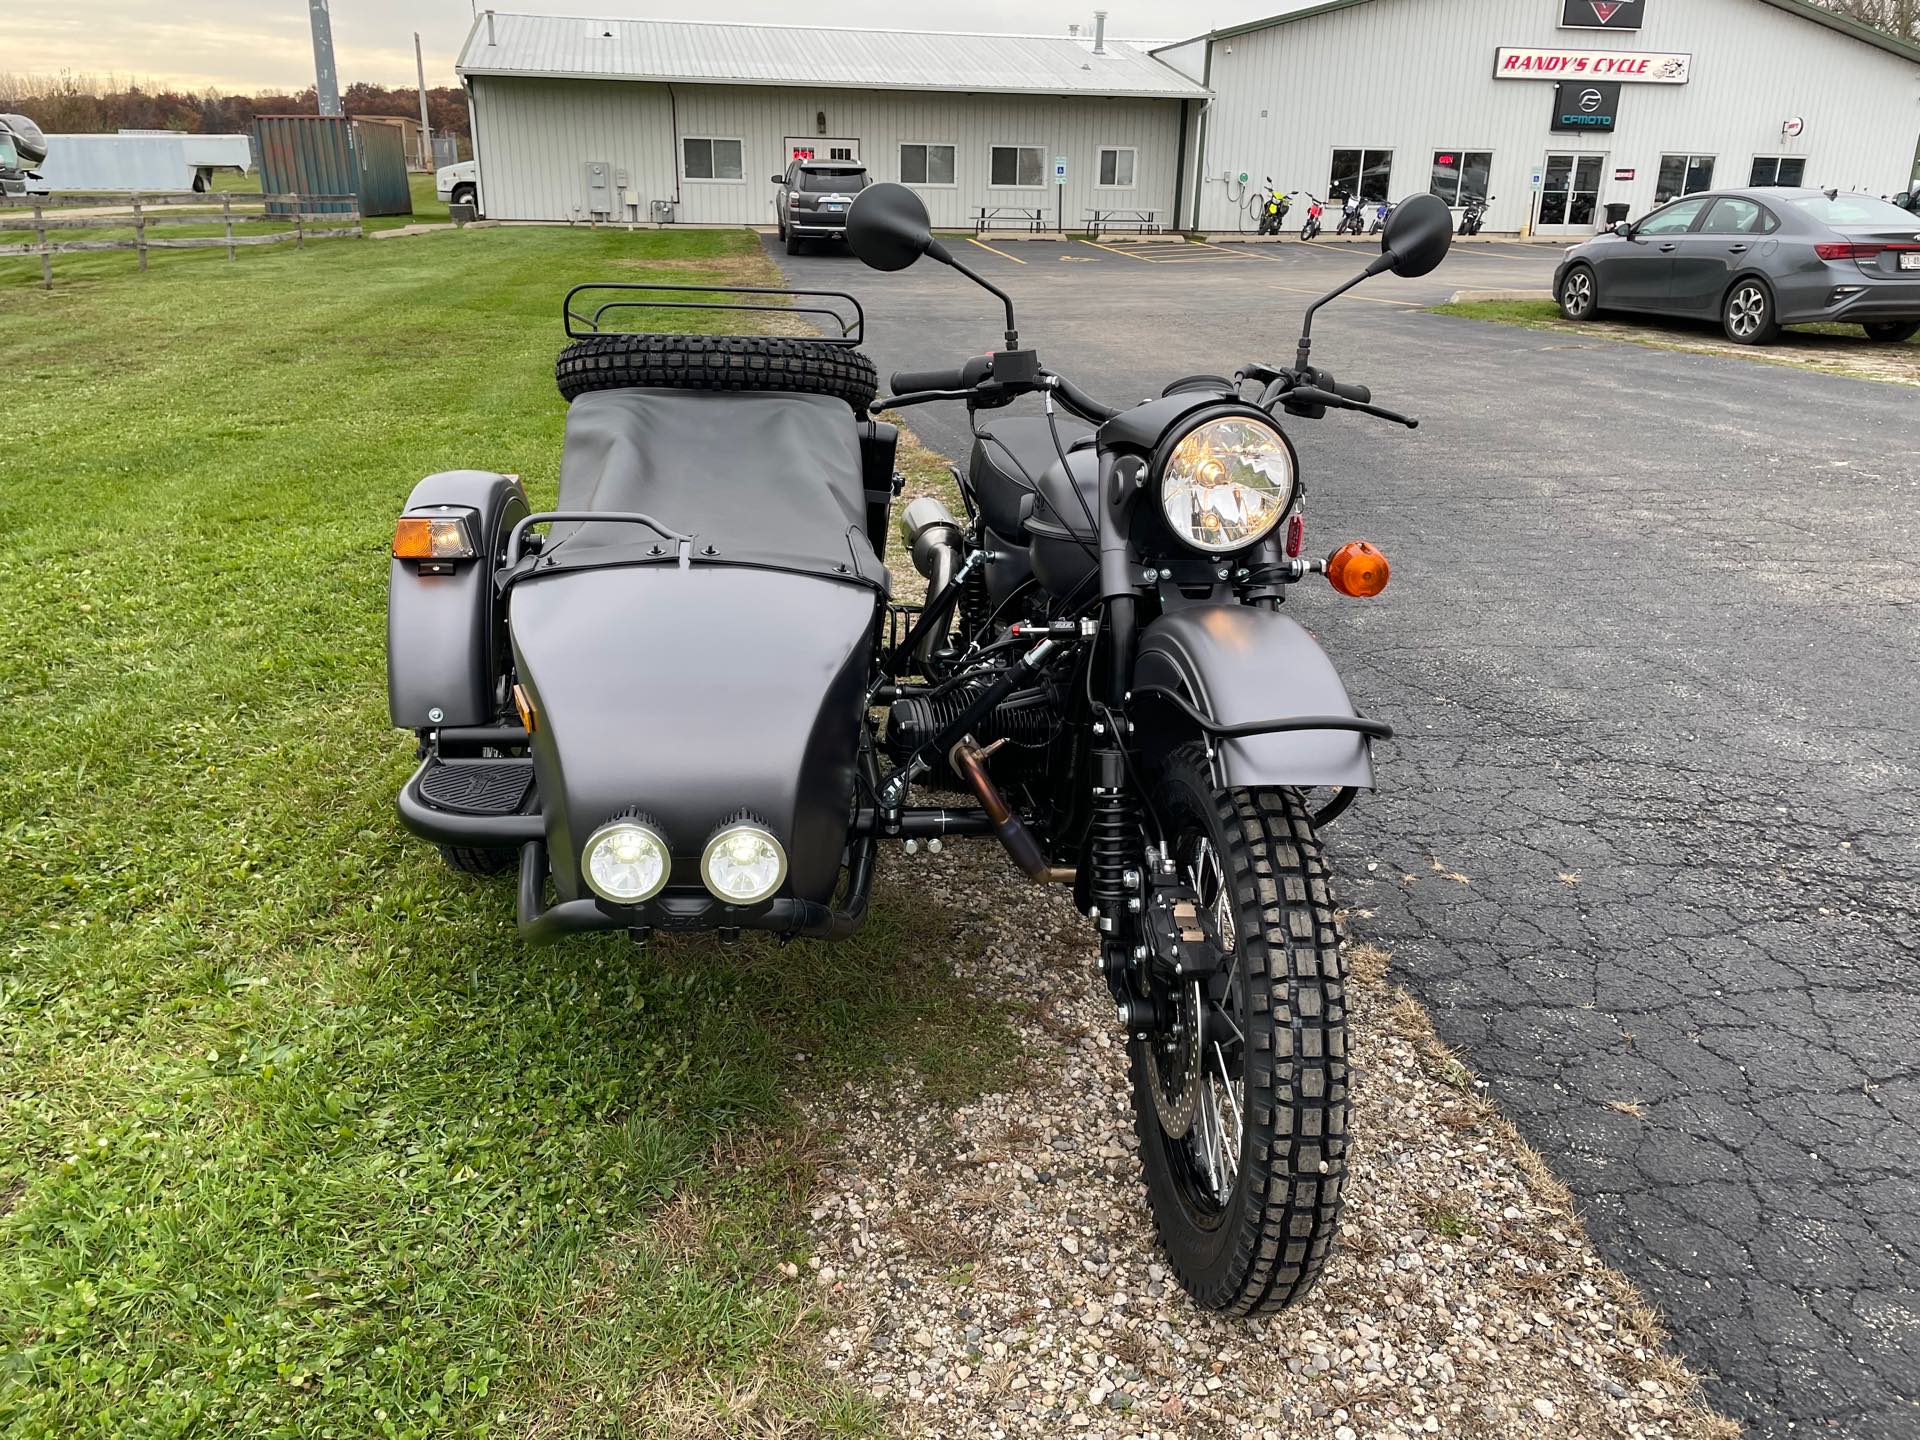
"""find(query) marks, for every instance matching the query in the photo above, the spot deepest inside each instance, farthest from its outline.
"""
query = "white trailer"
(147, 161)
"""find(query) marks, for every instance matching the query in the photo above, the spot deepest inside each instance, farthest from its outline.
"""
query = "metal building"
(641, 119)
(1606, 102)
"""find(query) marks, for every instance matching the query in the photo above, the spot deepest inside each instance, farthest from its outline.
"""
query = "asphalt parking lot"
(1646, 843)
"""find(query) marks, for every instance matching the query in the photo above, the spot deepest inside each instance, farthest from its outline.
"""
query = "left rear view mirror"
(887, 227)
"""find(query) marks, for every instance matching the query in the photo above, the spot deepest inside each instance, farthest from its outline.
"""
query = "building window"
(1017, 167)
(1683, 175)
(1462, 175)
(708, 159)
(1116, 169)
(1778, 170)
(1367, 172)
(926, 164)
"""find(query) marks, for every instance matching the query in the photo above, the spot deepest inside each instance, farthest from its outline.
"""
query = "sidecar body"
(657, 709)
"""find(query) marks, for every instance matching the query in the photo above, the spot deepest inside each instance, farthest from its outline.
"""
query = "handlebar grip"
(961, 377)
(1351, 392)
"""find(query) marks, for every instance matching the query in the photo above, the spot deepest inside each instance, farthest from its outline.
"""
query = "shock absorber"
(1112, 839)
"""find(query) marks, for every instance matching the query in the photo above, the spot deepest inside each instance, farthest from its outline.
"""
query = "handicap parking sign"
(1060, 169)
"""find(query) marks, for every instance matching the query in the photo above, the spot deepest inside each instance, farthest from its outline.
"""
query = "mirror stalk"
(937, 251)
(1378, 267)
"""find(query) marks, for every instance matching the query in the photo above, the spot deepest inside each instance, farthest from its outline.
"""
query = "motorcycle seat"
(1009, 458)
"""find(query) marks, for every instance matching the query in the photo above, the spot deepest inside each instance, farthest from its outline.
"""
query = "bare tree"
(1896, 17)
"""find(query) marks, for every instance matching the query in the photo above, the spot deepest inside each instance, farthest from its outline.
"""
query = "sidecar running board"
(471, 802)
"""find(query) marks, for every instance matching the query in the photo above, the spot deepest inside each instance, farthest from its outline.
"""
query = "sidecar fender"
(445, 642)
(1237, 665)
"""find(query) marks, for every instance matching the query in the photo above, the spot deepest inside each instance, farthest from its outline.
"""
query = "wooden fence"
(140, 213)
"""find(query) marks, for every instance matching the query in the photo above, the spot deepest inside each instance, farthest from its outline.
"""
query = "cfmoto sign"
(1584, 107)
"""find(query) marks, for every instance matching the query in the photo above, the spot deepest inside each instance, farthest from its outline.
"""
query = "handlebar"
(962, 377)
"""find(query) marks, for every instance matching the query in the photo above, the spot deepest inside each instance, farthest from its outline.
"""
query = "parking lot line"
(1111, 251)
(1209, 245)
(991, 251)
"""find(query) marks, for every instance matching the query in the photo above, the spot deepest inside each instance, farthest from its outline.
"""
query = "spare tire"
(717, 362)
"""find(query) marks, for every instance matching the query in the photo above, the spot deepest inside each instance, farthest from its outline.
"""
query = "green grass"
(296, 1139)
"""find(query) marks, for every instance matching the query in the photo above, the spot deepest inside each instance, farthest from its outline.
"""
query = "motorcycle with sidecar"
(687, 699)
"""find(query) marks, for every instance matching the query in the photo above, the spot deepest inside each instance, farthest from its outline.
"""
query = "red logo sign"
(1604, 12)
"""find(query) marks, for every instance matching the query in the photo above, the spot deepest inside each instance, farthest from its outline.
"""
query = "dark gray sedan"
(1756, 260)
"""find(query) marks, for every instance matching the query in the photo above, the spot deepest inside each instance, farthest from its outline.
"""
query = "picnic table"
(1141, 222)
(1009, 217)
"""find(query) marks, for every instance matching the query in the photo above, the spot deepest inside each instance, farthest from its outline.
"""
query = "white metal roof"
(729, 54)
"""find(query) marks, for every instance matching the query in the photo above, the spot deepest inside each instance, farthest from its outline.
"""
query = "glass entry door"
(1570, 197)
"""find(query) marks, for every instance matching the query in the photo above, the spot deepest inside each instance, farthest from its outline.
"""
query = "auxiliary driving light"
(1359, 570)
(432, 537)
(626, 862)
(743, 864)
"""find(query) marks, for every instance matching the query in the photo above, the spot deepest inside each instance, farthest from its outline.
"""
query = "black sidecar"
(722, 498)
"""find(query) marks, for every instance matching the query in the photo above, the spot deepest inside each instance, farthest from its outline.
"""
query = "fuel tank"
(691, 693)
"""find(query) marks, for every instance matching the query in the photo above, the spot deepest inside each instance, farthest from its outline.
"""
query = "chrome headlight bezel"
(610, 831)
(724, 834)
(1168, 453)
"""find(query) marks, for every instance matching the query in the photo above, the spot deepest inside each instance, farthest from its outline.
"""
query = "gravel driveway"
(990, 1271)
(1651, 651)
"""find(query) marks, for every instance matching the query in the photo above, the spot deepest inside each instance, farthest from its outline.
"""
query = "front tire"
(1580, 294)
(470, 860)
(1891, 332)
(1246, 1204)
(464, 195)
(1747, 316)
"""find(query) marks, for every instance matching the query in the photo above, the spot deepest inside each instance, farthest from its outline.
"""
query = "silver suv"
(812, 201)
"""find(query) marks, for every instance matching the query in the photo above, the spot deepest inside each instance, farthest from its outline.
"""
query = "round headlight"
(743, 864)
(626, 862)
(1226, 484)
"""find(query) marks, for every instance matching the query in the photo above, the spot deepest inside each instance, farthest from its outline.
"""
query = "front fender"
(1239, 665)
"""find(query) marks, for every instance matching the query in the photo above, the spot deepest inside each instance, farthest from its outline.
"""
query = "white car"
(458, 184)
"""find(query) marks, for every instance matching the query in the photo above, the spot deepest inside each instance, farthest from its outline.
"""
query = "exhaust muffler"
(936, 542)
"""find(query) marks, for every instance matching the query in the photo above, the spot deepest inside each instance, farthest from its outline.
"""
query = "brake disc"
(1174, 1068)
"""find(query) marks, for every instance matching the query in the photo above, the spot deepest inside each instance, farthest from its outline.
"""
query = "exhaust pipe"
(935, 540)
(969, 762)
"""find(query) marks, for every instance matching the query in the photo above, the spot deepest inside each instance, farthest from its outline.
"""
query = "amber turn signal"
(1359, 570)
(432, 537)
(528, 720)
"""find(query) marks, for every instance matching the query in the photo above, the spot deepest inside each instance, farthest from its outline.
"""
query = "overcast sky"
(246, 45)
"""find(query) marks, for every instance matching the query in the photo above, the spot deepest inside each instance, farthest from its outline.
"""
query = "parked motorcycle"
(692, 704)
(1315, 209)
(1474, 215)
(1352, 217)
(1273, 210)
(1381, 215)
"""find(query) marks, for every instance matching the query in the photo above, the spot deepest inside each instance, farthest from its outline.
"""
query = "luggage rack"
(844, 316)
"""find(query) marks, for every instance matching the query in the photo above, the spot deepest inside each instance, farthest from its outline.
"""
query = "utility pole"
(325, 77)
(426, 126)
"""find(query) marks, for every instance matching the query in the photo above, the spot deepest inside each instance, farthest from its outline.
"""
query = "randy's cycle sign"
(1642, 67)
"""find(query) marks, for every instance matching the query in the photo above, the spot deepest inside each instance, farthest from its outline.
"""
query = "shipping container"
(329, 155)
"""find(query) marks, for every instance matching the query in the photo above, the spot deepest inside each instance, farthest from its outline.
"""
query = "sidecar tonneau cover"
(766, 479)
